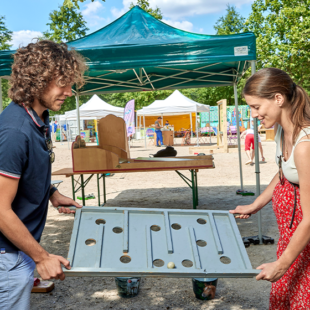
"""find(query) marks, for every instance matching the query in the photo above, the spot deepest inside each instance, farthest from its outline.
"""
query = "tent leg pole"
(1, 101)
(238, 134)
(144, 131)
(210, 123)
(257, 172)
(197, 127)
(191, 119)
(77, 114)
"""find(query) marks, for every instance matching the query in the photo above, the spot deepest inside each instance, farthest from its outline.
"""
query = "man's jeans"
(16, 280)
(159, 137)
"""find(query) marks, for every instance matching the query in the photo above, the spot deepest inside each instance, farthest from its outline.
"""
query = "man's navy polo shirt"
(24, 156)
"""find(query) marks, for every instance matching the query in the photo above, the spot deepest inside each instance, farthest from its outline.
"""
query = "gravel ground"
(217, 189)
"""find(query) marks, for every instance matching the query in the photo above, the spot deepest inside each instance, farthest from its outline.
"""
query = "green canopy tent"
(137, 52)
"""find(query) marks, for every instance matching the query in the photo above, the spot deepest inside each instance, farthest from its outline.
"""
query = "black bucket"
(204, 288)
(127, 287)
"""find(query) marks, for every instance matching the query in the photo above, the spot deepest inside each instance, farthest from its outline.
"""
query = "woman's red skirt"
(292, 291)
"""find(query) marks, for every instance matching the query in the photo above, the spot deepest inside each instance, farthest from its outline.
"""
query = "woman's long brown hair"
(268, 82)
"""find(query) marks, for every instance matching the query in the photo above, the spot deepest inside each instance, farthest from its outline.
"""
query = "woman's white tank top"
(288, 167)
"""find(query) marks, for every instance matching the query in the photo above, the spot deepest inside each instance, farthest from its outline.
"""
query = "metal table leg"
(192, 183)
(98, 189)
(73, 187)
(80, 184)
(104, 189)
(82, 189)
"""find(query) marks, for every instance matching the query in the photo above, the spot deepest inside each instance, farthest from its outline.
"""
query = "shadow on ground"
(162, 293)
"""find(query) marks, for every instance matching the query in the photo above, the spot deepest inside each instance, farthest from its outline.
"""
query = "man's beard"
(45, 104)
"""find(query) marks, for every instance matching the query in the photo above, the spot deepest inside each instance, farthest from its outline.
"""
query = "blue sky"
(27, 18)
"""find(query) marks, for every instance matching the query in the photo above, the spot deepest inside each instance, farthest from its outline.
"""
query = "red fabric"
(292, 291)
(249, 140)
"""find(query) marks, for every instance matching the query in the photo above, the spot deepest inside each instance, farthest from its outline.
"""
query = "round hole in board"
(201, 243)
(187, 263)
(90, 242)
(155, 228)
(158, 263)
(100, 221)
(201, 221)
(125, 259)
(225, 260)
(117, 230)
(176, 226)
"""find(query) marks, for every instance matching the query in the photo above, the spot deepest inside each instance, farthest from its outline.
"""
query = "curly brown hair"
(37, 64)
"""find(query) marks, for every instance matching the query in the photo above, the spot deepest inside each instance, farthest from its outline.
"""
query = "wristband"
(53, 190)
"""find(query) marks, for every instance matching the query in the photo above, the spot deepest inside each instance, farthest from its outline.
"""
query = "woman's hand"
(245, 211)
(271, 272)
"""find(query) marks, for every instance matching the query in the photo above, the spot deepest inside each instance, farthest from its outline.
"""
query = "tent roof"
(95, 107)
(175, 104)
(137, 52)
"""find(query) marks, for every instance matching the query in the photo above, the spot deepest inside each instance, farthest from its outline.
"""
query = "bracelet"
(53, 190)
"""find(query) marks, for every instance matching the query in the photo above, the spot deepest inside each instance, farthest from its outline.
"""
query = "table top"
(151, 164)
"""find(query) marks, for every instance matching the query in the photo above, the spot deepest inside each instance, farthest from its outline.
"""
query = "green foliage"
(231, 23)
(5, 38)
(145, 5)
(282, 29)
(66, 24)
(72, 3)
(5, 35)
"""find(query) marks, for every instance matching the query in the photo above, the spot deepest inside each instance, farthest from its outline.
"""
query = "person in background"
(249, 143)
(167, 123)
(277, 101)
(159, 135)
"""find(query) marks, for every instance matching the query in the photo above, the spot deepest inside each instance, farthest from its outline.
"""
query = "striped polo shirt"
(24, 156)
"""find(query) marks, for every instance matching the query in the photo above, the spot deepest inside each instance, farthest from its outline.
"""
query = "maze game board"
(132, 242)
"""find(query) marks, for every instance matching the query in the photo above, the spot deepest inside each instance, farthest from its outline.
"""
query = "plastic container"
(204, 288)
(127, 287)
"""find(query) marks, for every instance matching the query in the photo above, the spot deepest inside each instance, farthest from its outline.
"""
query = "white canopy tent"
(175, 104)
(95, 108)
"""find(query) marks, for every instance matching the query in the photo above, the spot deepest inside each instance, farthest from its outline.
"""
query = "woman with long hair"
(277, 101)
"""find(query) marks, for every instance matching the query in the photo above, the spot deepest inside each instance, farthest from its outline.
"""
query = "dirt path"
(217, 189)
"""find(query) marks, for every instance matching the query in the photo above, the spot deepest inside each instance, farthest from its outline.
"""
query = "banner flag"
(129, 117)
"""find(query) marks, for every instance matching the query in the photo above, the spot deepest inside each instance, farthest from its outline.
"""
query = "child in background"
(249, 143)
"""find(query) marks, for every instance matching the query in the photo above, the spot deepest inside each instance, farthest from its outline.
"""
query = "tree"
(5, 38)
(5, 35)
(70, 4)
(66, 24)
(282, 30)
(145, 5)
(231, 23)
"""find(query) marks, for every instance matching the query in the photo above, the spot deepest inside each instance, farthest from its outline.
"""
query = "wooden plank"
(112, 131)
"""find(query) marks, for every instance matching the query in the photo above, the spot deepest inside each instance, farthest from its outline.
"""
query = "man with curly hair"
(42, 76)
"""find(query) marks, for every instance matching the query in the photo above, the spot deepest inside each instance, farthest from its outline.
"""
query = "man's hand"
(50, 267)
(58, 199)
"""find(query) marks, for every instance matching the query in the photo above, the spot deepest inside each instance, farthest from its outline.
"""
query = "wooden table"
(191, 163)
(168, 136)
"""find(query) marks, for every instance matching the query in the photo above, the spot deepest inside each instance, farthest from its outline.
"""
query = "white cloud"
(92, 8)
(184, 25)
(176, 9)
(119, 12)
(201, 30)
(24, 37)
(91, 13)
